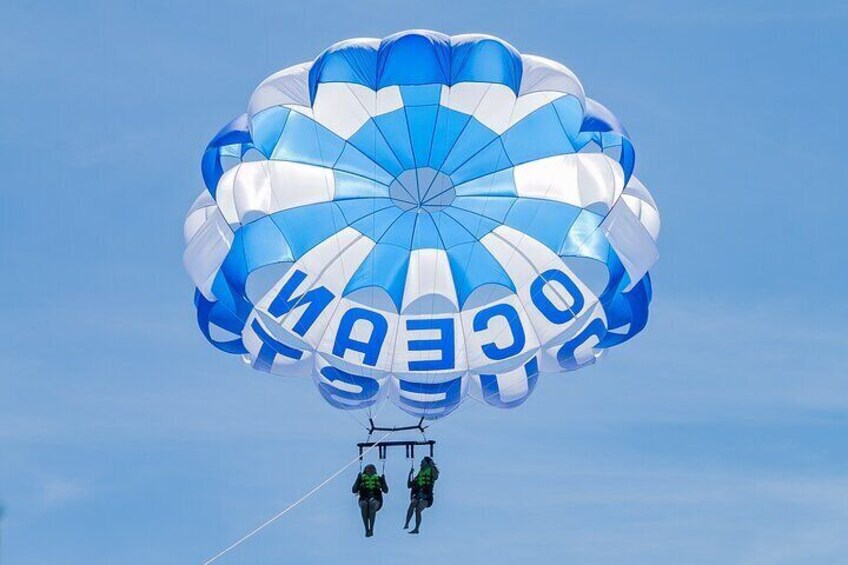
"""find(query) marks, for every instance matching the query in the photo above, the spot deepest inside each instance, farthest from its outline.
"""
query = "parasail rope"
(281, 513)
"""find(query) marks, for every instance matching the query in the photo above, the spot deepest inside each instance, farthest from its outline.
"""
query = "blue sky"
(717, 436)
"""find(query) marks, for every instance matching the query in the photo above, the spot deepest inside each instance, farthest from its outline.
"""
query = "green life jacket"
(425, 477)
(370, 482)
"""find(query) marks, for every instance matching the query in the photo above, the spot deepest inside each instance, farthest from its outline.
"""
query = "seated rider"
(370, 486)
(421, 491)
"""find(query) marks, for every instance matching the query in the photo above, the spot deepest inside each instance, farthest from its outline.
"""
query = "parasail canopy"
(421, 218)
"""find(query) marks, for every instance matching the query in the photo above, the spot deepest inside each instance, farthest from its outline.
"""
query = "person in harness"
(421, 491)
(370, 487)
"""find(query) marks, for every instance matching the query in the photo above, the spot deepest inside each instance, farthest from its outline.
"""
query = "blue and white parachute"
(422, 218)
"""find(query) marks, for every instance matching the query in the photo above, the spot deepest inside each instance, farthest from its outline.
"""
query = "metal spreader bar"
(383, 447)
(375, 428)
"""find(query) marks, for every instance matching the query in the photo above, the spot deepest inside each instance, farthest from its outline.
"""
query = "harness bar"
(375, 428)
(383, 447)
